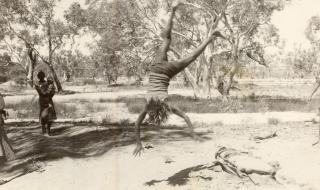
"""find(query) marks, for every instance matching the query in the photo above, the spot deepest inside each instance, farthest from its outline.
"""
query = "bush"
(234, 105)
(273, 121)
(124, 123)
(106, 120)
(89, 82)
(218, 123)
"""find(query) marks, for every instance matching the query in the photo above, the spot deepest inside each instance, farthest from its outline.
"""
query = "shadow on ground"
(180, 178)
(74, 140)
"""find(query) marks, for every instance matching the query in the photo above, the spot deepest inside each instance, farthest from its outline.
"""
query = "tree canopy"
(127, 35)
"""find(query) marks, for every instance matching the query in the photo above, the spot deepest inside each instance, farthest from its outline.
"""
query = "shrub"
(124, 123)
(106, 120)
(89, 82)
(218, 123)
(273, 121)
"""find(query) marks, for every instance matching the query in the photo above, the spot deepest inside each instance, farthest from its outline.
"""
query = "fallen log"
(231, 161)
(242, 164)
(269, 136)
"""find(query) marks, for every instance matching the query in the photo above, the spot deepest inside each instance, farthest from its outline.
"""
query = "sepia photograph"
(159, 94)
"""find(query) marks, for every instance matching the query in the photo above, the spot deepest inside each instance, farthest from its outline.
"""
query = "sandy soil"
(83, 155)
(87, 156)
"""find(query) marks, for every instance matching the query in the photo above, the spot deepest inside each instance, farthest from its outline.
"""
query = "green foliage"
(118, 23)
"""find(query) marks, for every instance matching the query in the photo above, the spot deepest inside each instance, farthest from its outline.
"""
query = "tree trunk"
(56, 79)
(206, 89)
(192, 81)
(199, 91)
(33, 61)
(30, 74)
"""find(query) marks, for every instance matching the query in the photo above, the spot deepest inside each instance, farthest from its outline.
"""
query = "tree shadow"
(74, 140)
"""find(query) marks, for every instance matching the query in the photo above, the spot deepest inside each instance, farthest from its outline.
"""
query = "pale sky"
(292, 21)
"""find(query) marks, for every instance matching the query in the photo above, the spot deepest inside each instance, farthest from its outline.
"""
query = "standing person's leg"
(43, 125)
(6, 150)
(49, 127)
(51, 116)
(2, 151)
(42, 120)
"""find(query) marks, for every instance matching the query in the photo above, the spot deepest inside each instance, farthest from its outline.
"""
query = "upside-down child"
(162, 70)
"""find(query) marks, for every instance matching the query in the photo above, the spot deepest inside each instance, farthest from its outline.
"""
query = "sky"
(292, 21)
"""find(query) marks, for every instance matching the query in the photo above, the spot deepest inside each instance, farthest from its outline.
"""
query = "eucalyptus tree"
(34, 24)
(246, 25)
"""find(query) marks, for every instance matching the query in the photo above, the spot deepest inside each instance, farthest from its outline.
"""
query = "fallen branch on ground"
(242, 164)
(231, 161)
(313, 120)
(259, 138)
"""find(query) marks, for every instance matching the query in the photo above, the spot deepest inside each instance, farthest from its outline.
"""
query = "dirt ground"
(89, 155)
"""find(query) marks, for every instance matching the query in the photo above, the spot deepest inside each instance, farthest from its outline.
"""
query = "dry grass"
(81, 107)
(30, 109)
(235, 105)
(255, 96)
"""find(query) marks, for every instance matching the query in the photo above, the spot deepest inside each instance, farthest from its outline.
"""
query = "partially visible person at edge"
(6, 150)
(46, 91)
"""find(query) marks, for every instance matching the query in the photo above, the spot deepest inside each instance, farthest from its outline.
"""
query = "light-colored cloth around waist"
(158, 86)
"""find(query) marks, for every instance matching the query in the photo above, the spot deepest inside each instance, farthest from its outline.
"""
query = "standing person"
(161, 72)
(6, 150)
(46, 91)
(51, 91)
